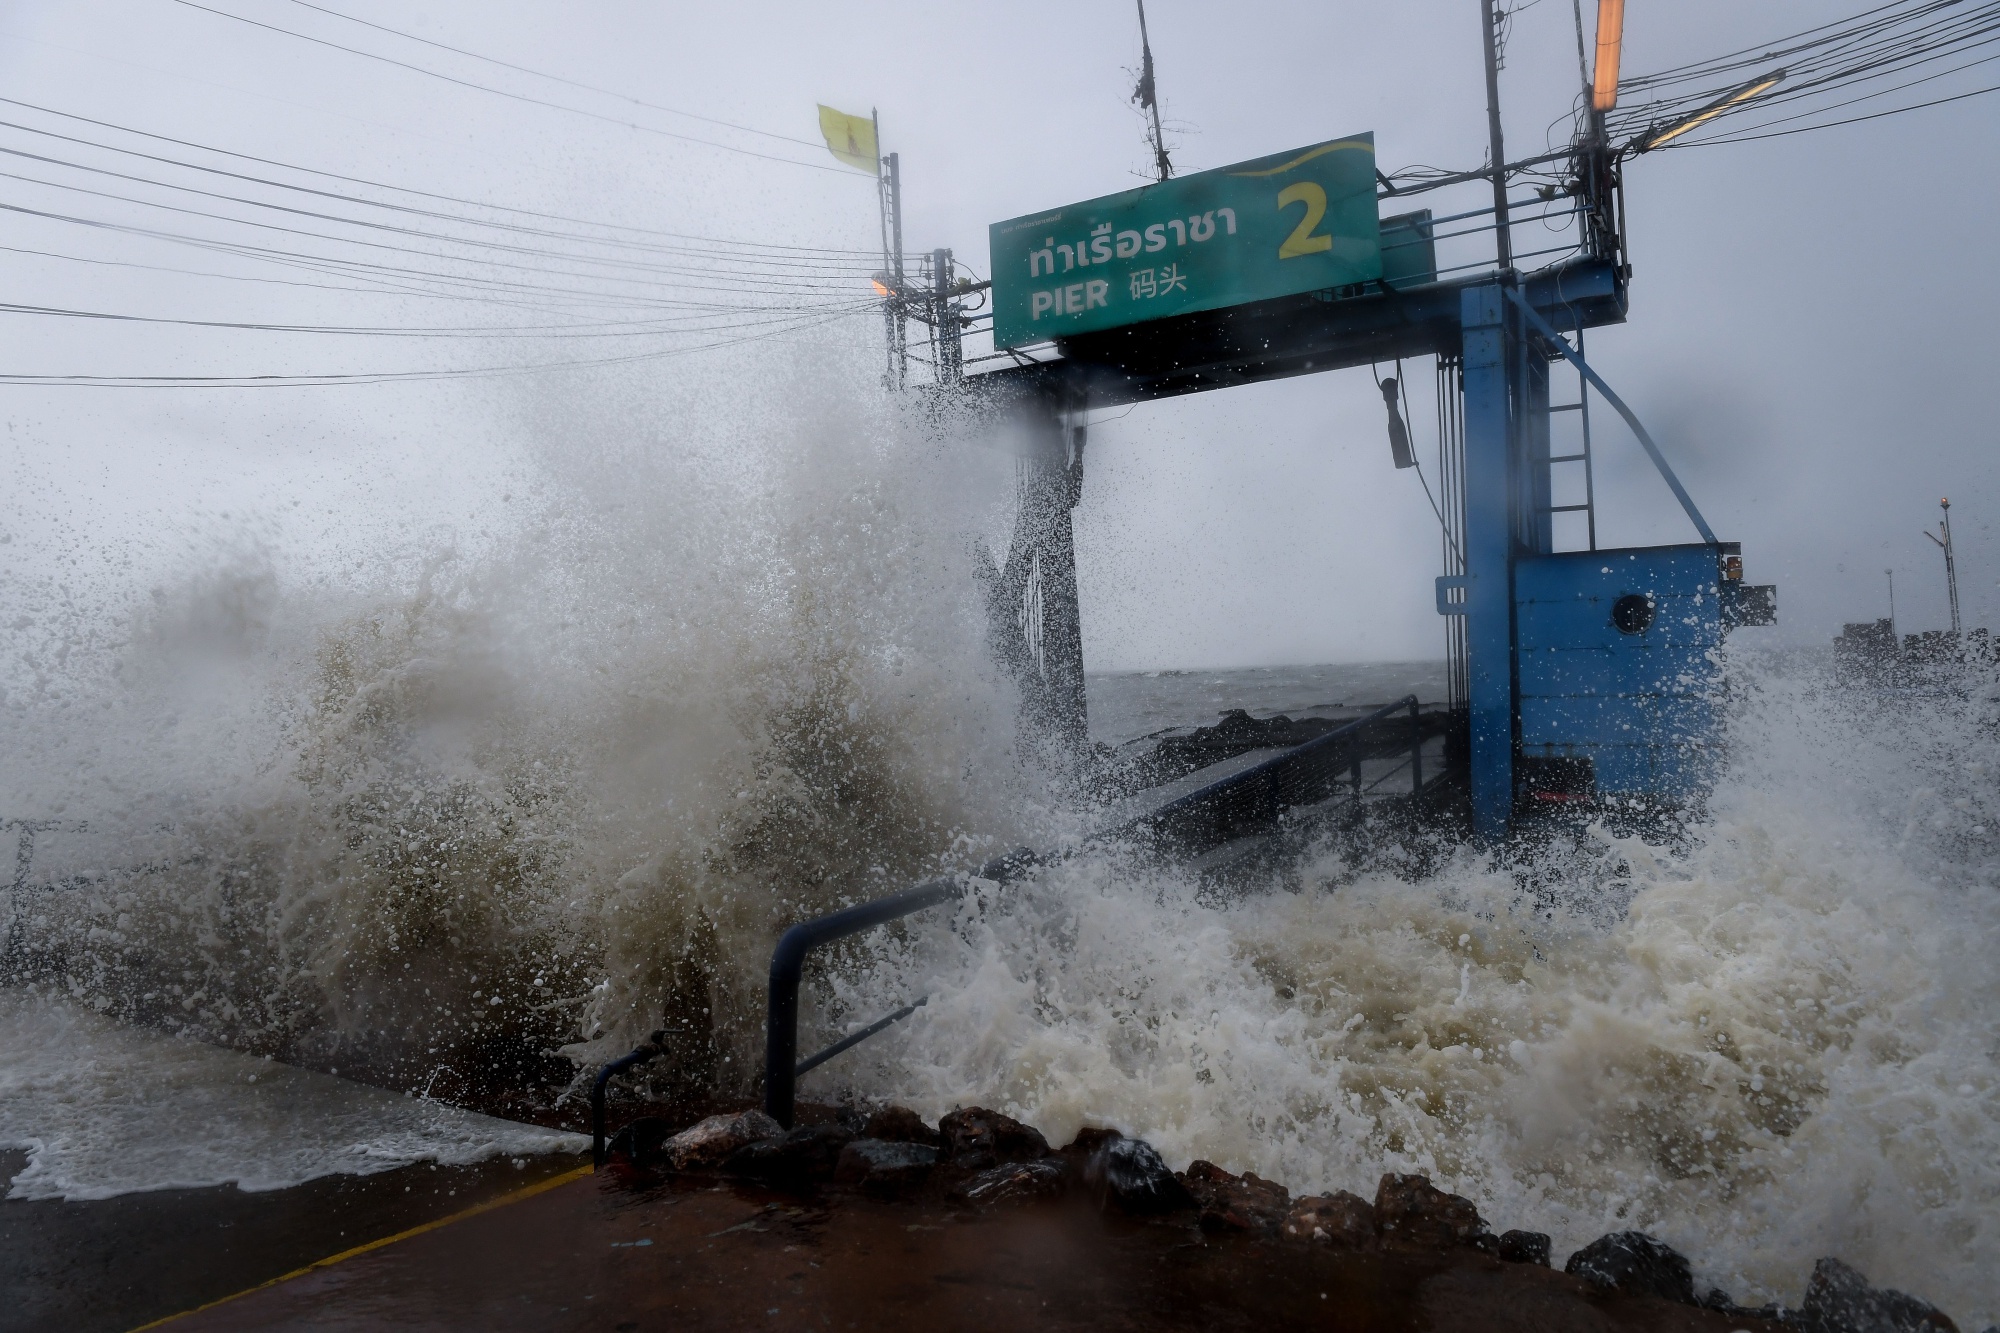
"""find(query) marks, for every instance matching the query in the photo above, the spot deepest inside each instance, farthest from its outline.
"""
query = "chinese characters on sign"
(1148, 283)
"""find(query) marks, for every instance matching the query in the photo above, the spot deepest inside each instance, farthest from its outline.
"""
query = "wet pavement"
(104, 1266)
(608, 1252)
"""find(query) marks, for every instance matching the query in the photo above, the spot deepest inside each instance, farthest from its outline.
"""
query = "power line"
(351, 289)
(424, 194)
(207, 273)
(1877, 44)
(513, 96)
(375, 271)
(1787, 46)
(1865, 97)
(641, 328)
(797, 279)
(1851, 120)
(860, 263)
(762, 287)
(553, 78)
(391, 376)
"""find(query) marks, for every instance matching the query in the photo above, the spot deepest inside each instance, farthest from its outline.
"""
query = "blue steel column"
(1489, 559)
(1535, 520)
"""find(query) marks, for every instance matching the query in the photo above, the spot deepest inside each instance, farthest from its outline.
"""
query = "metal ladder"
(1582, 405)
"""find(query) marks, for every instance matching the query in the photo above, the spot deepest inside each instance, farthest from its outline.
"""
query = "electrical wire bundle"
(1884, 51)
(625, 293)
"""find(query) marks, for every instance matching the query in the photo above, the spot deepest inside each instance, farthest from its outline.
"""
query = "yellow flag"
(850, 138)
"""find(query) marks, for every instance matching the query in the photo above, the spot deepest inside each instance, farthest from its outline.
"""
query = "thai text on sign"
(1293, 222)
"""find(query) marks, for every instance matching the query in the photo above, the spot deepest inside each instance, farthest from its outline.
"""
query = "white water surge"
(1780, 1049)
(724, 668)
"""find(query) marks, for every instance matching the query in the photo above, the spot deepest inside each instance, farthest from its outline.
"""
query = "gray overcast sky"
(1809, 334)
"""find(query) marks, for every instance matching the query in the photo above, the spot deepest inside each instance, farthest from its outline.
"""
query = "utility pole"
(1147, 95)
(1502, 238)
(896, 268)
(1892, 601)
(1950, 564)
(947, 343)
(895, 318)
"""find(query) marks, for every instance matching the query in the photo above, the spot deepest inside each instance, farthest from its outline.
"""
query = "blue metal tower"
(1589, 675)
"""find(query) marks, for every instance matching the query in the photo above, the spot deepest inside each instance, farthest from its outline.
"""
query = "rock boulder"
(1339, 1219)
(1129, 1174)
(1524, 1247)
(1015, 1182)
(899, 1124)
(976, 1139)
(709, 1144)
(1413, 1214)
(797, 1157)
(885, 1168)
(1841, 1300)
(1236, 1203)
(1633, 1263)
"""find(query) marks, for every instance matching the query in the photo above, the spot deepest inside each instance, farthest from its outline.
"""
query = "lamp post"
(1950, 564)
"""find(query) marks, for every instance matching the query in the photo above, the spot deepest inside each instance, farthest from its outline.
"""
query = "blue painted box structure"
(1616, 653)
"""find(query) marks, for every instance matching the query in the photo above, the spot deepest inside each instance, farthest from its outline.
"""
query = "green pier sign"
(1293, 222)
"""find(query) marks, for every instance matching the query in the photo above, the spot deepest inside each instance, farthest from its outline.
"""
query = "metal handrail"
(782, 1066)
(853, 1039)
(654, 1047)
(1280, 781)
(788, 961)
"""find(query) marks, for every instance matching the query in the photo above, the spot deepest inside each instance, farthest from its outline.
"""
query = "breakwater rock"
(977, 1160)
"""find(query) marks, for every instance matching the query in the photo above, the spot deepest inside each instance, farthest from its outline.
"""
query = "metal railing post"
(1416, 748)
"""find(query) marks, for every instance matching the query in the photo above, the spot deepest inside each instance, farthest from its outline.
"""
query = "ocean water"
(1127, 705)
(717, 669)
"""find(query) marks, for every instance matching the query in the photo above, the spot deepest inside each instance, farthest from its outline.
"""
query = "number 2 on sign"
(1302, 241)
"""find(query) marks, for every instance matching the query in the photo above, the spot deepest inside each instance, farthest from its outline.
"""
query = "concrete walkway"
(601, 1253)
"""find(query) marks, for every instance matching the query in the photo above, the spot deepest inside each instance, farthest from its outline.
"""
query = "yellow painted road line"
(528, 1192)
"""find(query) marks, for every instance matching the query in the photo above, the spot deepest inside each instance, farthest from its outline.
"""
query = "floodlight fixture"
(1610, 36)
(1652, 139)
